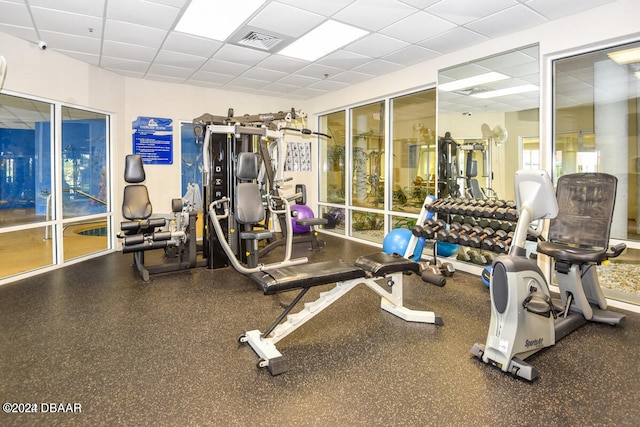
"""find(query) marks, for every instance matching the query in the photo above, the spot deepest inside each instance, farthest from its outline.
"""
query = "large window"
(596, 124)
(414, 163)
(332, 172)
(364, 191)
(54, 186)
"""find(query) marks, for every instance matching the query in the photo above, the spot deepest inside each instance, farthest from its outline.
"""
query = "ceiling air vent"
(259, 40)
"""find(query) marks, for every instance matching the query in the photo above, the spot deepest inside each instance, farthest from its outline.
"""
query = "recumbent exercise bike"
(524, 316)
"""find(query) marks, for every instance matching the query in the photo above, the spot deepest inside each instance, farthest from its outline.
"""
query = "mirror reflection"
(488, 124)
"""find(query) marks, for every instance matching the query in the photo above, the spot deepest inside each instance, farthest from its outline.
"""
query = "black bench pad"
(380, 264)
(307, 222)
(305, 276)
(321, 273)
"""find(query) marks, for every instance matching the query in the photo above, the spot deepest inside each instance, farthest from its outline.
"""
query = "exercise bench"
(381, 272)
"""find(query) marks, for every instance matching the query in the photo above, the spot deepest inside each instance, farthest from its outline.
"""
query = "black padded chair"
(136, 206)
(250, 210)
(579, 237)
(141, 232)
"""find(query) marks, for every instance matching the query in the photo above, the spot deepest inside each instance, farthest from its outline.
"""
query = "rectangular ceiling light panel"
(216, 20)
(472, 81)
(626, 56)
(324, 39)
(507, 91)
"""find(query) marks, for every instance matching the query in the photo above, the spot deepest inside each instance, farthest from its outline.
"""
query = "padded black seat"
(308, 222)
(580, 232)
(322, 273)
(380, 264)
(305, 276)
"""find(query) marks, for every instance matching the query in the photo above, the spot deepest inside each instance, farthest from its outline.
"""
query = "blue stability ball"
(445, 249)
(397, 241)
(486, 275)
(301, 212)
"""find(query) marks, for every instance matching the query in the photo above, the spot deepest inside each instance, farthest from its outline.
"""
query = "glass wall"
(596, 121)
(332, 172)
(414, 163)
(355, 164)
(49, 217)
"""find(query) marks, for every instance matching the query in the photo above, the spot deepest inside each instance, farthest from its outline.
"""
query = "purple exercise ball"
(303, 212)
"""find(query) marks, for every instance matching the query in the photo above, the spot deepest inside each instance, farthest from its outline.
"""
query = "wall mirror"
(488, 123)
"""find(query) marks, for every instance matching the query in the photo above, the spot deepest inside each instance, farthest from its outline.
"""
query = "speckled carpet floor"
(165, 353)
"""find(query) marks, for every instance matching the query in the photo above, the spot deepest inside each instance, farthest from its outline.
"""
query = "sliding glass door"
(54, 185)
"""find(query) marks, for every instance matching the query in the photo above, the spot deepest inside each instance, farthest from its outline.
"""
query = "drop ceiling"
(137, 38)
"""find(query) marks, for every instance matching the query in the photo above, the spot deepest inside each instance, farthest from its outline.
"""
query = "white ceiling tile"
(128, 51)
(71, 42)
(511, 20)
(298, 80)
(167, 70)
(453, 40)
(178, 59)
(263, 74)
(91, 8)
(239, 55)
(71, 23)
(280, 87)
(15, 14)
(307, 92)
(286, 20)
(324, 7)
(374, 14)
(378, 67)
(344, 60)
(179, 42)
(126, 32)
(142, 12)
(218, 78)
(282, 63)
(24, 33)
(248, 83)
(420, 4)
(417, 27)
(554, 9)
(461, 12)
(175, 3)
(376, 45)
(224, 67)
(84, 57)
(410, 55)
(329, 85)
(350, 77)
(318, 71)
(124, 64)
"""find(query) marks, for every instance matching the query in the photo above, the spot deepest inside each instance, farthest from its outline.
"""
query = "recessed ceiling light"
(626, 56)
(507, 91)
(216, 20)
(472, 81)
(323, 39)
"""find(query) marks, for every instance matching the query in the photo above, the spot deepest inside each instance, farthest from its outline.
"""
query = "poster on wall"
(153, 140)
(298, 157)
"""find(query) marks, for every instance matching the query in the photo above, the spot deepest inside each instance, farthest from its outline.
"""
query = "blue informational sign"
(153, 140)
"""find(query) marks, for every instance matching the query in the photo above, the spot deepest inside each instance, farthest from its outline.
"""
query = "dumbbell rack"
(482, 228)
